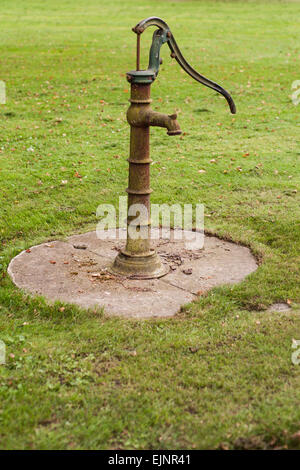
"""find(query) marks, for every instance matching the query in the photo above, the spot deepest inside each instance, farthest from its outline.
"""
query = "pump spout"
(164, 120)
(144, 116)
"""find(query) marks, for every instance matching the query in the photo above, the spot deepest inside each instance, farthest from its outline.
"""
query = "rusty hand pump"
(138, 260)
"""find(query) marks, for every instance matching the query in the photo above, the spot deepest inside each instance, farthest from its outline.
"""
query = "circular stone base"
(77, 271)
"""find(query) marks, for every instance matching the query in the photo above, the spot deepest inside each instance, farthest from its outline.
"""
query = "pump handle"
(165, 35)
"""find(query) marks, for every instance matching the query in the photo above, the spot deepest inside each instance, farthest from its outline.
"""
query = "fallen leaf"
(296, 436)
(132, 353)
(224, 446)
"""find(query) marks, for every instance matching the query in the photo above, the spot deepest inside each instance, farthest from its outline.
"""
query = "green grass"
(72, 379)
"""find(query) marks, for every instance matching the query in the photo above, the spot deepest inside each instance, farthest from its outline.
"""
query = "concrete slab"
(279, 307)
(75, 271)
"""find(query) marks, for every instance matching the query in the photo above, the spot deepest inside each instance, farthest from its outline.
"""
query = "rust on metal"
(138, 259)
(138, 51)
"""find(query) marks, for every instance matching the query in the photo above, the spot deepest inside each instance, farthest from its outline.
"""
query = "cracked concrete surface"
(75, 271)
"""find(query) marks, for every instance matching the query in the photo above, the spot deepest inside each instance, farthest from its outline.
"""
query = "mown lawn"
(219, 374)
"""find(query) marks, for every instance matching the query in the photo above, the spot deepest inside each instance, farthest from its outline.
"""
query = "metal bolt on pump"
(138, 260)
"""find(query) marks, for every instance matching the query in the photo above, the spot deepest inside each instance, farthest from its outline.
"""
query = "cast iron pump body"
(138, 260)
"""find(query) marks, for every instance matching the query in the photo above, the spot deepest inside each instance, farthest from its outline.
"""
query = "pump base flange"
(139, 267)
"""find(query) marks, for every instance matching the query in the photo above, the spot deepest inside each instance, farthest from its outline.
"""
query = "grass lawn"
(78, 379)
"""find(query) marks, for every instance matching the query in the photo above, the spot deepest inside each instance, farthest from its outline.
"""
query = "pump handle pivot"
(164, 34)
